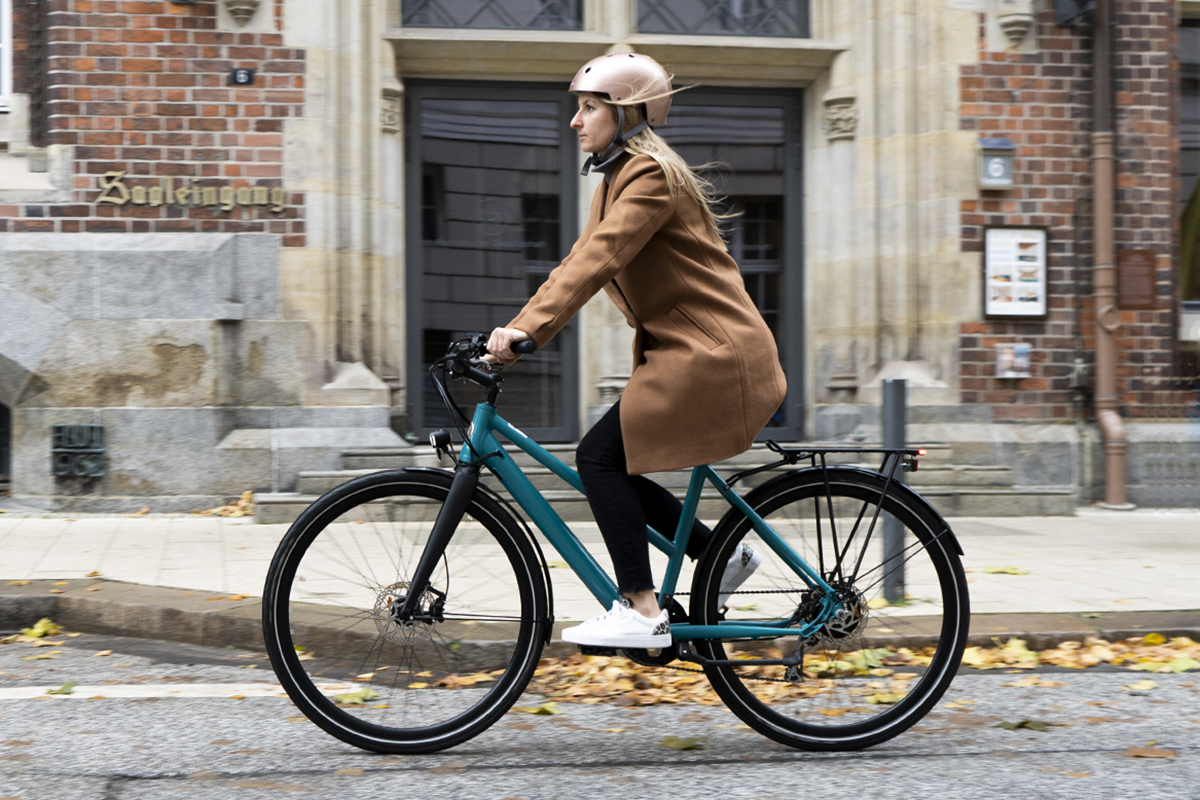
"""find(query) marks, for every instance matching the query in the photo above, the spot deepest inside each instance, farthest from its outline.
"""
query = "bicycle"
(342, 581)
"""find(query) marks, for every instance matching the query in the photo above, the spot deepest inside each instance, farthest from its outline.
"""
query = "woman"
(706, 374)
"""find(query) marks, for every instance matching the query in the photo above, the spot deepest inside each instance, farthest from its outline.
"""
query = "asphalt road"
(141, 741)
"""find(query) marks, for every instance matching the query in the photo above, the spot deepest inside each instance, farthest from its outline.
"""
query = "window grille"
(725, 17)
(553, 15)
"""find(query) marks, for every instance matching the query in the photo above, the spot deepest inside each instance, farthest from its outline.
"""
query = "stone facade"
(261, 333)
(1042, 101)
(139, 111)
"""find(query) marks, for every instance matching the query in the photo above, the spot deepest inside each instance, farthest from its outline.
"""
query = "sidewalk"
(1098, 562)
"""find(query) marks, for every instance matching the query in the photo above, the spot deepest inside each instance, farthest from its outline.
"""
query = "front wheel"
(396, 686)
(854, 689)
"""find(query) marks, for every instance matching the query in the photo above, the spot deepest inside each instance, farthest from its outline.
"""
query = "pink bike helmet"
(625, 75)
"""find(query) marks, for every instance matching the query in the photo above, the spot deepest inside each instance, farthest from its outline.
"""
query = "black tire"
(839, 704)
(325, 614)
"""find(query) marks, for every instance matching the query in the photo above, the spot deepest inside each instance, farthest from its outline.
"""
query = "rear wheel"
(403, 687)
(855, 689)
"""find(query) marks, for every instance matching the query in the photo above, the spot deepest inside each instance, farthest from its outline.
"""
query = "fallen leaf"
(682, 743)
(348, 771)
(358, 698)
(58, 591)
(102, 653)
(1149, 752)
(878, 602)
(418, 685)
(62, 583)
(17, 583)
(93, 588)
(66, 688)
(1005, 571)
(885, 698)
(94, 574)
(1154, 638)
(1031, 724)
(1140, 686)
(143, 512)
(544, 710)
(614, 730)
(43, 627)
(236, 597)
(558, 565)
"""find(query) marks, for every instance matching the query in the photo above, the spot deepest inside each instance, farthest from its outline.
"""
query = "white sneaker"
(741, 565)
(621, 626)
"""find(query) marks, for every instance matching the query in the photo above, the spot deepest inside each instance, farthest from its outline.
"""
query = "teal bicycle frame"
(483, 444)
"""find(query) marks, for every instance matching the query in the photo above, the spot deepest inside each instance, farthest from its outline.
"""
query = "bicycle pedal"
(588, 650)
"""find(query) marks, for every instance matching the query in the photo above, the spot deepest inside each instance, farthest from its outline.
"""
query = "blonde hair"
(679, 174)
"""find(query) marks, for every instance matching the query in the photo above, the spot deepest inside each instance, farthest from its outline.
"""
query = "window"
(728, 17)
(497, 170)
(1189, 157)
(1189, 104)
(6, 58)
(553, 15)
(746, 139)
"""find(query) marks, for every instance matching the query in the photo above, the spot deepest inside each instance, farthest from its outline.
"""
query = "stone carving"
(242, 11)
(389, 112)
(841, 115)
(1015, 18)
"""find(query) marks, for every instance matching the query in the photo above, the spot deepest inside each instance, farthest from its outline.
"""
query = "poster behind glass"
(1014, 272)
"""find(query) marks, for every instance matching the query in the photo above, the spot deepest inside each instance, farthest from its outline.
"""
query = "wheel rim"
(849, 690)
(346, 569)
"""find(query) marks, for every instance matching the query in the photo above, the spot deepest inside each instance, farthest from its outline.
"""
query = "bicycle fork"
(466, 479)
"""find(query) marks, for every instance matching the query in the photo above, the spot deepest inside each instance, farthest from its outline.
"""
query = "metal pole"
(894, 414)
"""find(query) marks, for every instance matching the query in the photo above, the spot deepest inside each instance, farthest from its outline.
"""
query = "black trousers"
(625, 504)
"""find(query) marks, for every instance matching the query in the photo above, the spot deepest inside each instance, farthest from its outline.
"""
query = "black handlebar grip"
(525, 347)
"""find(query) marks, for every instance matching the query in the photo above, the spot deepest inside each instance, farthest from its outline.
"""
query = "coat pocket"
(693, 328)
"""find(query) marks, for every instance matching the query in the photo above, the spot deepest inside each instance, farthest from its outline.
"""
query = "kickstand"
(795, 674)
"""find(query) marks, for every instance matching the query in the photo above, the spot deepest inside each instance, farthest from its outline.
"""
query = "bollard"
(893, 415)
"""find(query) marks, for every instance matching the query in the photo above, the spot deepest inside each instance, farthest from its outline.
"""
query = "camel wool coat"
(706, 375)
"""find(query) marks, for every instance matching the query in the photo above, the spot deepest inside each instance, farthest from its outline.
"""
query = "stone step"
(424, 456)
(1017, 501)
(319, 482)
(950, 501)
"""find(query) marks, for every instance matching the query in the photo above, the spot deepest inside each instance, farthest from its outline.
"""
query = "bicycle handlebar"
(525, 347)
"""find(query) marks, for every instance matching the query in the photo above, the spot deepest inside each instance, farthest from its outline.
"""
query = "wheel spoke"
(848, 698)
(341, 571)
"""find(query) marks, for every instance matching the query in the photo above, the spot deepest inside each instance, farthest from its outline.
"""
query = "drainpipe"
(1108, 318)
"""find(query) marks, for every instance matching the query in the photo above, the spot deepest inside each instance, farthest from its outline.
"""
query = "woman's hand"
(501, 341)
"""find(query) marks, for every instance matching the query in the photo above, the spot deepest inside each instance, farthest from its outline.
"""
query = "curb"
(114, 608)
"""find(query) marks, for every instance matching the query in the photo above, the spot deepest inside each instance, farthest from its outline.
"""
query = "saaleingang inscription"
(114, 190)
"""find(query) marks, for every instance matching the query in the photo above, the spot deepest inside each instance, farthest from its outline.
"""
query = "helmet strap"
(611, 153)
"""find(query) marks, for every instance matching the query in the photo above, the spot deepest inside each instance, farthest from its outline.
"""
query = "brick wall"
(141, 87)
(1043, 102)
